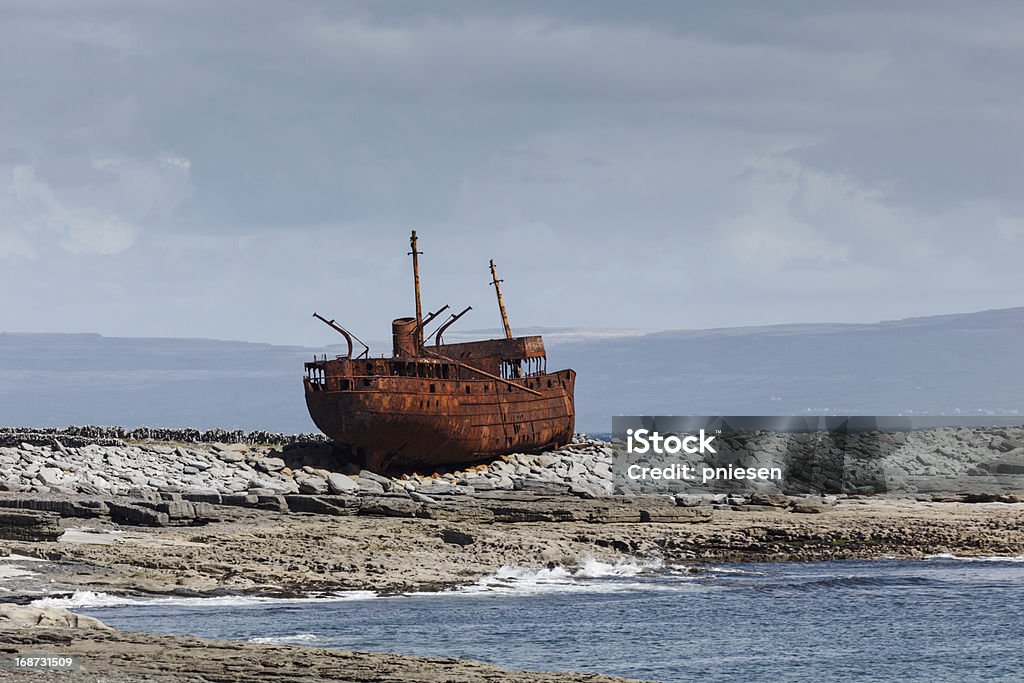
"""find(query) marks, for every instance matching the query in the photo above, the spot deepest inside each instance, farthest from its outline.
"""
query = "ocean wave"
(590, 576)
(92, 599)
(85, 599)
(860, 581)
(595, 569)
(983, 558)
(731, 570)
(287, 640)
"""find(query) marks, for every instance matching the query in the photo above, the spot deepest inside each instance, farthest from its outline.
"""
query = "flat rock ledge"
(37, 517)
(106, 654)
(16, 525)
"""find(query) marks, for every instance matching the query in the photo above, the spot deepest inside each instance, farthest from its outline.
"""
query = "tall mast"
(501, 302)
(416, 284)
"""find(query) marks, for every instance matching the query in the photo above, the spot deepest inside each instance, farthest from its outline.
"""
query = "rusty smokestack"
(403, 338)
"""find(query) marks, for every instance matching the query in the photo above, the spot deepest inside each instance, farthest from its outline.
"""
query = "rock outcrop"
(111, 656)
(23, 616)
(29, 526)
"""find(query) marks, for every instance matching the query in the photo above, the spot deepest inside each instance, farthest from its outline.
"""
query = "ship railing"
(370, 383)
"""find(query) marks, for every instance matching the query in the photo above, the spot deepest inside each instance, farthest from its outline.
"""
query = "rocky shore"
(120, 516)
(122, 513)
(112, 656)
(266, 552)
(55, 462)
(113, 462)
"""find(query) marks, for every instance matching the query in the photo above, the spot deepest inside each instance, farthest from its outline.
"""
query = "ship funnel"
(404, 337)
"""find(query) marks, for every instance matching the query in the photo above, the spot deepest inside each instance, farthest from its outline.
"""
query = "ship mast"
(501, 301)
(416, 284)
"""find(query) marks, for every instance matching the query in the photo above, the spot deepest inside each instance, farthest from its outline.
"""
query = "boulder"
(435, 487)
(340, 483)
(373, 476)
(270, 464)
(478, 483)
(312, 484)
(22, 616)
(369, 485)
(50, 476)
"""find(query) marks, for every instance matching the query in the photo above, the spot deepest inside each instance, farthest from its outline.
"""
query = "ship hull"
(409, 422)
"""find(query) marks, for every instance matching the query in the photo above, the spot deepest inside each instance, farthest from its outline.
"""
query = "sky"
(223, 170)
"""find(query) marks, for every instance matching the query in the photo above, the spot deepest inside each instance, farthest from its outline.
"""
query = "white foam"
(84, 599)
(87, 599)
(730, 570)
(984, 558)
(595, 569)
(286, 640)
(591, 576)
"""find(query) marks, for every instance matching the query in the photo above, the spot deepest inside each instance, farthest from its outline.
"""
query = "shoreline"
(105, 655)
(267, 553)
(114, 655)
(108, 518)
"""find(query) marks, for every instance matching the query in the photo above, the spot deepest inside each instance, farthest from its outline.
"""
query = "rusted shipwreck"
(435, 404)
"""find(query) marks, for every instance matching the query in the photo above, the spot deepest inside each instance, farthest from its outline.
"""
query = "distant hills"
(941, 365)
(965, 363)
(58, 379)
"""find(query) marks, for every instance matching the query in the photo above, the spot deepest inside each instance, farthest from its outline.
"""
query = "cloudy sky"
(224, 169)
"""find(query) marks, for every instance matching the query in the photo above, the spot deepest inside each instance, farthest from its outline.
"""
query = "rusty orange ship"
(434, 403)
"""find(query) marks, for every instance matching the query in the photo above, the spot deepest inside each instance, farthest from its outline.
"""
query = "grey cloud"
(220, 166)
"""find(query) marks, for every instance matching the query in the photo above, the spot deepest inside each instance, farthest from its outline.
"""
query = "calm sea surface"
(941, 619)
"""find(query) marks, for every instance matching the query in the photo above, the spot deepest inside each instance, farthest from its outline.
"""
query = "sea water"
(939, 619)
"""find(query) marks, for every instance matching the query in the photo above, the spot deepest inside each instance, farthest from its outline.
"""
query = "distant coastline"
(940, 365)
